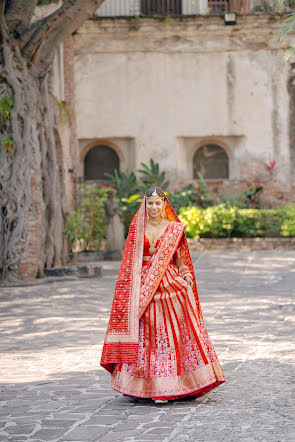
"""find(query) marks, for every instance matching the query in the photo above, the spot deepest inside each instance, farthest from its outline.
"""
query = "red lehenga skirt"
(176, 357)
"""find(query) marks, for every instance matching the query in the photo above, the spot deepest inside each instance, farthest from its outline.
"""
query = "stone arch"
(211, 158)
(98, 157)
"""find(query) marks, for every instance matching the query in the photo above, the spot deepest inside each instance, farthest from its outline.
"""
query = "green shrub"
(234, 199)
(86, 226)
(263, 222)
(215, 221)
(220, 220)
(288, 225)
(271, 221)
(248, 223)
(242, 200)
(186, 198)
(225, 220)
(194, 219)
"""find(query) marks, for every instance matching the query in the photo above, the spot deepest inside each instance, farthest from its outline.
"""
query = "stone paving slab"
(52, 388)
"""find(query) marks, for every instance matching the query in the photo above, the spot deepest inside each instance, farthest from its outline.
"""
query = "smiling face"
(154, 205)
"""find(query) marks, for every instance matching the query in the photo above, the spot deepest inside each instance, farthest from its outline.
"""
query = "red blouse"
(146, 246)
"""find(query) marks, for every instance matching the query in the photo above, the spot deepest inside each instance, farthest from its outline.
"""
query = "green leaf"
(6, 105)
(150, 175)
(133, 198)
(86, 226)
(125, 183)
(287, 27)
(8, 145)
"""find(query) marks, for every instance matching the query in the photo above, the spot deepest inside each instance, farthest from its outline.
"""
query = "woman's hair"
(158, 191)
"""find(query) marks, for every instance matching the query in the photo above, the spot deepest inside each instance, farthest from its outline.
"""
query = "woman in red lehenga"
(156, 345)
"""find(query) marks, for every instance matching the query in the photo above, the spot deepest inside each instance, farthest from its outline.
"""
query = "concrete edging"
(202, 244)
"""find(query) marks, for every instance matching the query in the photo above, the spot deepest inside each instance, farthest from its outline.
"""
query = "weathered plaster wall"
(68, 133)
(169, 84)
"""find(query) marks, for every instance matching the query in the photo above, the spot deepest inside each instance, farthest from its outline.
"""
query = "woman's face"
(154, 206)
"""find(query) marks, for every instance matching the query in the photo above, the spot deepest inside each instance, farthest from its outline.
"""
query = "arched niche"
(99, 160)
(212, 161)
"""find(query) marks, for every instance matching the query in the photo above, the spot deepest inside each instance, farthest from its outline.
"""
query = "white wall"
(169, 86)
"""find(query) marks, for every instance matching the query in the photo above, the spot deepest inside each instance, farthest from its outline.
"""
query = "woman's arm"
(183, 269)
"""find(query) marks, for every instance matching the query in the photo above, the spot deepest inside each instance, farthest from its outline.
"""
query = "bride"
(156, 344)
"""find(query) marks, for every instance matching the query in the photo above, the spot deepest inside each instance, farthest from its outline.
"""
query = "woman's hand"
(189, 280)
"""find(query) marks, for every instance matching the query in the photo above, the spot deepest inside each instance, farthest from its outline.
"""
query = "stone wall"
(163, 87)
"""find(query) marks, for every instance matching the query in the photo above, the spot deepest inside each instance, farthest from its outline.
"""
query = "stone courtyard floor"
(52, 388)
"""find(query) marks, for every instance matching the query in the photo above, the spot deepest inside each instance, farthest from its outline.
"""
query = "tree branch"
(52, 30)
(18, 14)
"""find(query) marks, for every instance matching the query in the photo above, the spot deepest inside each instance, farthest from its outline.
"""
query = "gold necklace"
(152, 242)
(153, 238)
(156, 223)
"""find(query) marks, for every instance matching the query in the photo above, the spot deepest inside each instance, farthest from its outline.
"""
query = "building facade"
(188, 91)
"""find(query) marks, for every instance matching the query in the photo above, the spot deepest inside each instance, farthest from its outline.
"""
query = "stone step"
(88, 256)
(88, 270)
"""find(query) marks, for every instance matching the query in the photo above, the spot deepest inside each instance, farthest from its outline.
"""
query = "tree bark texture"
(31, 212)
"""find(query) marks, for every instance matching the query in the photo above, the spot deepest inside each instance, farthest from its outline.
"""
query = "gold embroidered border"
(132, 336)
(161, 259)
(167, 386)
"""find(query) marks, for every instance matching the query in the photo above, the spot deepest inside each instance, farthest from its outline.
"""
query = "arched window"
(212, 161)
(98, 160)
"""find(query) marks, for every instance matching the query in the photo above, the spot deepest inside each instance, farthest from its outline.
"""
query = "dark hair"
(158, 190)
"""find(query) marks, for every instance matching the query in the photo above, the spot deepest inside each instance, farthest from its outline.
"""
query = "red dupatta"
(132, 295)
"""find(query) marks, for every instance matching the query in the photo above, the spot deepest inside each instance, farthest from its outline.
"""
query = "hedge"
(224, 220)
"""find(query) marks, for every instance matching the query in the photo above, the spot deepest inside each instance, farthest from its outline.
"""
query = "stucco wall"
(169, 84)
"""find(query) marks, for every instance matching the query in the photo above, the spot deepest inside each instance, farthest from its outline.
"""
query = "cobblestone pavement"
(52, 388)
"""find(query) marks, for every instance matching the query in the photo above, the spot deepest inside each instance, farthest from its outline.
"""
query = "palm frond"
(150, 175)
(287, 27)
(289, 53)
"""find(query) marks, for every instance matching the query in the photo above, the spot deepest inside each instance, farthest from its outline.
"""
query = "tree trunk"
(31, 214)
(30, 196)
